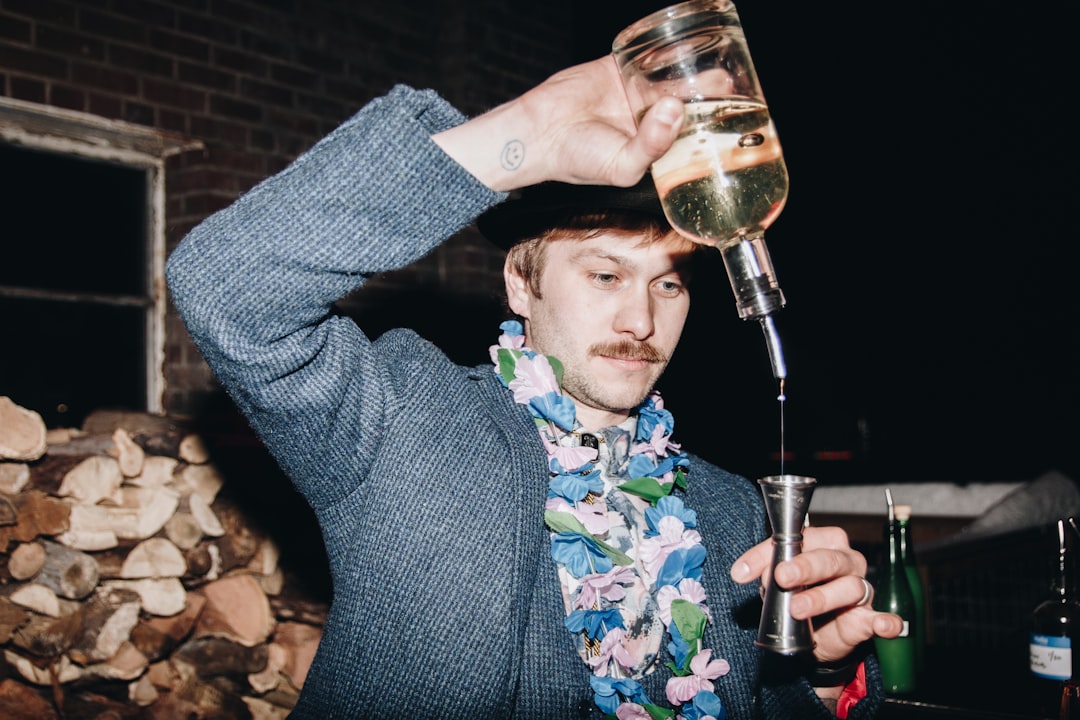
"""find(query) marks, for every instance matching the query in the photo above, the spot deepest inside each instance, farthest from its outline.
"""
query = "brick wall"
(259, 81)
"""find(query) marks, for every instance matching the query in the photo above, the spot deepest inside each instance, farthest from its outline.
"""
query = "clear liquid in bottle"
(724, 177)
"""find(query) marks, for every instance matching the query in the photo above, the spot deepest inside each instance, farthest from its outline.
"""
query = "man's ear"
(517, 290)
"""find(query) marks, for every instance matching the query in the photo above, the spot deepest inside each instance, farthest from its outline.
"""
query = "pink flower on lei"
(515, 341)
(704, 670)
(687, 589)
(570, 458)
(611, 648)
(657, 446)
(632, 711)
(592, 515)
(533, 377)
(606, 586)
(672, 536)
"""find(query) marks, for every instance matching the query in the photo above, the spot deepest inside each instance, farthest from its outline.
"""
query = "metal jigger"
(787, 499)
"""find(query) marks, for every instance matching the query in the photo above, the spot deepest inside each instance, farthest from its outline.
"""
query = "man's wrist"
(834, 674)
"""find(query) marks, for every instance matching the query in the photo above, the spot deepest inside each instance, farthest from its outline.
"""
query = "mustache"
(629, 350)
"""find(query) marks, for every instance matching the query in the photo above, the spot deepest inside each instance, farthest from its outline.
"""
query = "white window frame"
(41, 127)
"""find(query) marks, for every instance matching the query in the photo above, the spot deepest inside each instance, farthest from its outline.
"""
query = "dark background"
(931, 326)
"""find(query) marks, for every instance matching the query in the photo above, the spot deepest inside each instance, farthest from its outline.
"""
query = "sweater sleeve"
(256, 283)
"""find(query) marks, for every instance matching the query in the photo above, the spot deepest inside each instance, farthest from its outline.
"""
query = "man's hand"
(575, 127)
(834, 595)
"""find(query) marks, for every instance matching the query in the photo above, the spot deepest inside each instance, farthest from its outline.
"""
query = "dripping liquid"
(782, 398)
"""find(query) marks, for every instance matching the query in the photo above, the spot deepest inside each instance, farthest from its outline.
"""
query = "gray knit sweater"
(427, 479)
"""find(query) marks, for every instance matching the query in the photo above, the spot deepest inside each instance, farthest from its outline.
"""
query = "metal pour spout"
(757, 293)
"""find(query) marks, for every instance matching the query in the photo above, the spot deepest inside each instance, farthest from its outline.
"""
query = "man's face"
(611, 308)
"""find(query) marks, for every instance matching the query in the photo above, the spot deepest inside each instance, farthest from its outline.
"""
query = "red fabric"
(852, 693)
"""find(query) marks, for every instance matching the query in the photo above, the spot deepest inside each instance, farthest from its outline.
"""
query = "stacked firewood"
(131, 586)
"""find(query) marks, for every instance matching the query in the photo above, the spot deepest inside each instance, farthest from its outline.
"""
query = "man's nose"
(635, 316)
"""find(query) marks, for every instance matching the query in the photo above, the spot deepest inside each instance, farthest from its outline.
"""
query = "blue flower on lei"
(651, 414)
(681, 563)
(608, 692)
(595, 622)
(579, 553)
(574, 485)
(672, 506)
(704, 706)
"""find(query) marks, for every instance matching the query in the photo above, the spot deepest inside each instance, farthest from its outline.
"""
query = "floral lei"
(671, 553)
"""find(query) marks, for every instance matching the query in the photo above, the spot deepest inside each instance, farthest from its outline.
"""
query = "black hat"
(531, 210)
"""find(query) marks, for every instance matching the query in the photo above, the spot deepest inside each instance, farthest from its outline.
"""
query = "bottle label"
(905, 630)
(1051, 657)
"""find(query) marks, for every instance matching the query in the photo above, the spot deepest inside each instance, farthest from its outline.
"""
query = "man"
(489, 558)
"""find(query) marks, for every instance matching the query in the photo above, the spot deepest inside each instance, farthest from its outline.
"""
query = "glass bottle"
(896, 656)
(907, 551)
(1054, 624)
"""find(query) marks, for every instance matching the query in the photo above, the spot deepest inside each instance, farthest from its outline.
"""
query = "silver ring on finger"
(868, 593)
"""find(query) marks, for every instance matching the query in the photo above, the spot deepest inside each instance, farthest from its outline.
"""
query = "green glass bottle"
(896, 656)
(907, 550)
(1055, 625)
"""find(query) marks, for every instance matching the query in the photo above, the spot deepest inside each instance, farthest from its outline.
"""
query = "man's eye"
(605, 278)
(671, 287)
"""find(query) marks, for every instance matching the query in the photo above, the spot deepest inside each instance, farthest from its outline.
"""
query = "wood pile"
(131, 586)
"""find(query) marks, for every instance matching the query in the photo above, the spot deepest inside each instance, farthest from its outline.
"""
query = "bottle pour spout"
(757, 293)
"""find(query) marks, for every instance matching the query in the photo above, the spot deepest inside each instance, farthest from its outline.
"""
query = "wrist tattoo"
(513, 154)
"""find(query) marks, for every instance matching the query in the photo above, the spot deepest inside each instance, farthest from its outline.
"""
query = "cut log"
(143, 513)
(88, 540)
(80, 445)
(106, 621)
(47, 637)
(203, 564)
(165, 442)
(300, 642)
(26, 560)
(105, 421)
(263, 710)
(38, 514)
(237, 609)
(272, 584)
(159, 596)
(142, 692)
(69, 573)
(14, 476)
(61, 671)
(127, 664)
(48, 473)
(8, 515)
(154, 558)
(19, 702)
(157, 637)
(96, 478)
(300, 610)
(129, 455)
(205, 516)
(210, 656)
(22, 432)
(266, 558)
(239, 541)
(163, 675)
(157, 472)
(38, 598)
(268, 678)
(204, 480)
(61, 435)
(12, 617)
(193, 450)
(183, 530)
